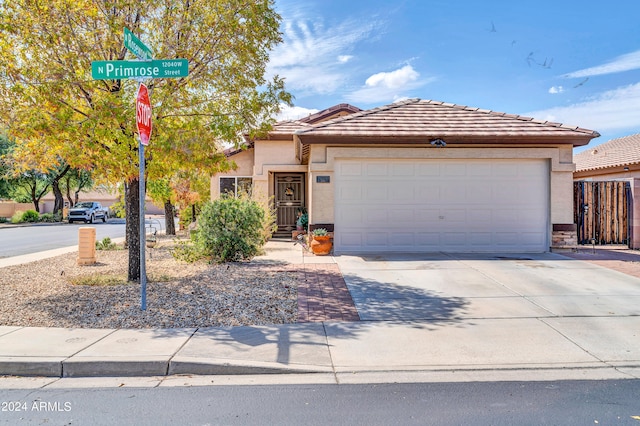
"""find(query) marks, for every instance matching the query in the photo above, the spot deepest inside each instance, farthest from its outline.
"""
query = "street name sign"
(143, 114)
(157, 68)
(136, 46)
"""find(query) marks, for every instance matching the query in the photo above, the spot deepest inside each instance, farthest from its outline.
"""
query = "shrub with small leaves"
(17, 217)
(232, 229)
(30, 216)
(51, 217)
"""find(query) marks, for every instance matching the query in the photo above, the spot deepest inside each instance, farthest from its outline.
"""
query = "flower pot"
(321, 245)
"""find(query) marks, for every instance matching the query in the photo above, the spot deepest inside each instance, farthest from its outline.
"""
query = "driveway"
(449, 288)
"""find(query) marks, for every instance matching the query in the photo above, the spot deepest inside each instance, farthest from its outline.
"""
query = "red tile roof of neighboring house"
(614, 153)
(416, 120)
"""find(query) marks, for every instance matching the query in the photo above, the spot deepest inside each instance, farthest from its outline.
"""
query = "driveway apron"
(444, 287)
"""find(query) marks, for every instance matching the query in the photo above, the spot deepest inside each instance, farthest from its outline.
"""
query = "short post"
(86, 245)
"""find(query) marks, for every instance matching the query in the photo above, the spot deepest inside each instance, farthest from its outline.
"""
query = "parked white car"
(88, 212)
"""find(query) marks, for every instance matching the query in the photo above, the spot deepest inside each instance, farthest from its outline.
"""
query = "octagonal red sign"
(143, 114)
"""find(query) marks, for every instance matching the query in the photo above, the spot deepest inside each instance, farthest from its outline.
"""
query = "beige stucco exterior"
(269, 157)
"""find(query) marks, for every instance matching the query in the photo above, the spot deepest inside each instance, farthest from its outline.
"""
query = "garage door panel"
(441, 205)
(376, 169)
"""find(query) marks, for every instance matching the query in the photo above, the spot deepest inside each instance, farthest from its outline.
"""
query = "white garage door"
(441, 205)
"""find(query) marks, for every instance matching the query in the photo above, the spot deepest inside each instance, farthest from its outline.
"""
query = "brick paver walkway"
(323, 294)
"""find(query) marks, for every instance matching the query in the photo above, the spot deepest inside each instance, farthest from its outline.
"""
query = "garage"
(450, 205)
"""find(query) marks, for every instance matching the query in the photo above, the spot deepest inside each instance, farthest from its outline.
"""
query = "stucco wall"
(322, 162)
(244, 163)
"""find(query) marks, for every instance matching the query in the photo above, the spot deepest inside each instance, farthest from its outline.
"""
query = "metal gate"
(601, 211)
(289, 197)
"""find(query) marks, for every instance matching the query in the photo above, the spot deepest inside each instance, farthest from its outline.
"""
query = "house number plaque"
(323, 179)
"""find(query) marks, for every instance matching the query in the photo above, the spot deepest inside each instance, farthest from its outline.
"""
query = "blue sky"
(567, 61)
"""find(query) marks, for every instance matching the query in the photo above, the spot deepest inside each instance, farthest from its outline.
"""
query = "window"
(235, 185)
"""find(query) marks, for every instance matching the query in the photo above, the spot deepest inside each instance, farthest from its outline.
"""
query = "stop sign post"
(143, 114)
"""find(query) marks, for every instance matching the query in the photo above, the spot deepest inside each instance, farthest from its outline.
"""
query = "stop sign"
(143, 114)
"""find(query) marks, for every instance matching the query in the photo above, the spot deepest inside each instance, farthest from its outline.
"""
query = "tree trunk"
(68, 184)
(132, 207)
(169, 220)
(55, 185)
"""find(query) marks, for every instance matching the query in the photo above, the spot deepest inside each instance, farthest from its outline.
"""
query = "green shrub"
(233, 229)
(51, 217)
(30, 216)
(4, 219)
(106, 244)
(186, 251)
(17, 217)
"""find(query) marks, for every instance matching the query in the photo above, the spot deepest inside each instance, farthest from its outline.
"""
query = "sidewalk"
(334, 347)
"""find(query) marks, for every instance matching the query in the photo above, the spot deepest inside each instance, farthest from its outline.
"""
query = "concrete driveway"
(443, 287)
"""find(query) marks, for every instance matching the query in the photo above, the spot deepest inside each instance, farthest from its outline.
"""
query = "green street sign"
(136, 46)
(157, 68)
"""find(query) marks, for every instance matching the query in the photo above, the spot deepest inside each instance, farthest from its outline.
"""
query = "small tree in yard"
(233, 229)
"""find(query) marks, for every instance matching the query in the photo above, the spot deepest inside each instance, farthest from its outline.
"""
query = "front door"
(289, 197)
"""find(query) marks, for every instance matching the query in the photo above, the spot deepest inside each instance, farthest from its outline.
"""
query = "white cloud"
(294, 112)
(394, 79)
(556, 89)
(312, 54)
(628, 62)
(612, 110)
(389, 86)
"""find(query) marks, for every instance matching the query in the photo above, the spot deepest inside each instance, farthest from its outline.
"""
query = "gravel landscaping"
(46, 293)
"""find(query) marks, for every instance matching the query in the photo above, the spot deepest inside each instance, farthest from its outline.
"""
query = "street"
(488, 403)
(21, 240)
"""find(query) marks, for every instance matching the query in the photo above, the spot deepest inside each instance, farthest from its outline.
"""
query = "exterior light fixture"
(438, 143)
(626, 168)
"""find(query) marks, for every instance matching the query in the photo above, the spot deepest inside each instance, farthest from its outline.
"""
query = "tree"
(54, 107)
(30, 186)
(74, 182)
(5, 186)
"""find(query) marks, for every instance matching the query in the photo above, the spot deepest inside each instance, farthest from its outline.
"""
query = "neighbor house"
(417, 176)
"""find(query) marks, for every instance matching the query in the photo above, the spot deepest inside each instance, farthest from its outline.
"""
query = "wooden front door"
(289, 197)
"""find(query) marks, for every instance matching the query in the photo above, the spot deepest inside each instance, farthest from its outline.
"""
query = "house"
(418, 176)
(616, 160)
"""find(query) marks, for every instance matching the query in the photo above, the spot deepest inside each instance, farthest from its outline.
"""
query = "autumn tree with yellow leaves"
(58, 115)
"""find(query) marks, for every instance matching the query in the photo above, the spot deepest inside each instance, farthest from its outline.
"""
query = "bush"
(30, 216)
(17, 217)
(106, 244)
(233, 229)
(50, 217)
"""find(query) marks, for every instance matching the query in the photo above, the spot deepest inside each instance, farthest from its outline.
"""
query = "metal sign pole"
(143, 268)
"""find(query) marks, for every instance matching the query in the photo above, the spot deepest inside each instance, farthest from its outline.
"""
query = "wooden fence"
(601, 211)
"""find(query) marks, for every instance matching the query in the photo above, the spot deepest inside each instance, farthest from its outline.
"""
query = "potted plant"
(321, 244)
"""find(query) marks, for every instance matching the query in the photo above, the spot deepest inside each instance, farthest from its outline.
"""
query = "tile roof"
(336, 109)
(422, 119)
(614, 153)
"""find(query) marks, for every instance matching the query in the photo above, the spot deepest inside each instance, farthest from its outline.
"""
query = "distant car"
(88, 211)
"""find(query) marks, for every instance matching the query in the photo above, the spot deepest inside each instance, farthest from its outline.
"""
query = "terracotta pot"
(321, 245)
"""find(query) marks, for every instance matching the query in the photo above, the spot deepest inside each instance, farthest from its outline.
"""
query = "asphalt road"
(19, 240)
(494, 403)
